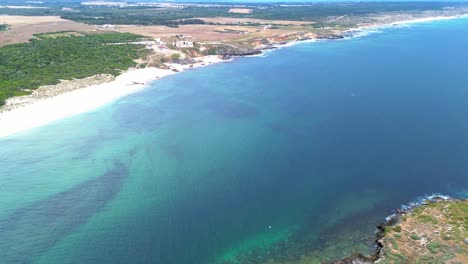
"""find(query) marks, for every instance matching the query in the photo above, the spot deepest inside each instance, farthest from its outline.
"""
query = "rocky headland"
(432, 231)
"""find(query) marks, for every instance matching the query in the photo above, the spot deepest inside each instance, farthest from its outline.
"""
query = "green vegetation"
(388, 229)
(447, 252)
(415, 237)
(446, 236)
(3, 27)
(394, 243)
(397, 229)
(144, 15)
(434, 247)
(188, 14)
(175, 56)
(173, 16)
(58, 34)
(418, 210)
(47, 60)
(428, 260)
(427, 219)
(395, 258)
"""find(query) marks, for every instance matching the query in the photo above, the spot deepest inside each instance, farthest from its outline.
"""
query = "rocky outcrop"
(329, 36)
(356, 259)
(238, 53)
(227, 51)
(408, 226)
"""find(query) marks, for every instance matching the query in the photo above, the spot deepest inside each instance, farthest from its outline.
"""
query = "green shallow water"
(279, 159)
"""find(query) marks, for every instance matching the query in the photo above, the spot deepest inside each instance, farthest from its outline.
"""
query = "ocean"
(288, 157)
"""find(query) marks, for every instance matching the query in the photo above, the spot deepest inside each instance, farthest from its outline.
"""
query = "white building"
(183, 44)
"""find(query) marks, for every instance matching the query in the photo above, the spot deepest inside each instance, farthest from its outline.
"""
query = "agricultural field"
(23, 28)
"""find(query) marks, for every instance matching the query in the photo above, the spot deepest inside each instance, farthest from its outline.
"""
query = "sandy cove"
(78, 101)
(33, 112)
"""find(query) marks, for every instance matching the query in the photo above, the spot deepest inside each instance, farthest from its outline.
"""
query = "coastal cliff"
(433, 231)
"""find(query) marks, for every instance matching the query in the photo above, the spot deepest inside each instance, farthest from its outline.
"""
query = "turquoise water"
(294, 155)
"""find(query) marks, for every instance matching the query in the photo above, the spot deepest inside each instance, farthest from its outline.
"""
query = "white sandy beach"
(78, 101)
(75, 102)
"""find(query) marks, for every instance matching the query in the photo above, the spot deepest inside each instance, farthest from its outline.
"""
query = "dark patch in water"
(229, 109)
(31, 230)
(139, 117)
(175, 151)
(189, 99)
(86, 146)
(278, 128)
(218, 103)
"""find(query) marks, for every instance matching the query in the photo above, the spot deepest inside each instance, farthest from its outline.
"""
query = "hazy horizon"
(239, 1)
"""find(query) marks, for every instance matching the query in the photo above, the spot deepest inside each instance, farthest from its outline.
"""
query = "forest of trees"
(44, 61)
(150, 15)
(173, 16)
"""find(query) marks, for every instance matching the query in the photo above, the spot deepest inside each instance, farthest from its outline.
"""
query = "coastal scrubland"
(47, 59)
(431, 233)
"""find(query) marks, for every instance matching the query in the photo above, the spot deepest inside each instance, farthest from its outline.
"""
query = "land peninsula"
(52, 50)
(434, 231)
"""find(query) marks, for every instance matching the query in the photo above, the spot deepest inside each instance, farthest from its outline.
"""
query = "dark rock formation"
(332, 36)
(355, 259)
(239, 53)
(228, 51)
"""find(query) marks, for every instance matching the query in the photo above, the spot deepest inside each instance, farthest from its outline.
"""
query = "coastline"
(383, 245)
(364, 28)
(40, 112)
(44, 111)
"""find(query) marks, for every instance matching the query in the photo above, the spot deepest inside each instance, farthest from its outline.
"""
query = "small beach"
(43, 111)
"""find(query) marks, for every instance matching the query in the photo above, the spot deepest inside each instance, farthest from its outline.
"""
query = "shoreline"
(36, 113)
(47, 110)
(364, 28)
(392, 221)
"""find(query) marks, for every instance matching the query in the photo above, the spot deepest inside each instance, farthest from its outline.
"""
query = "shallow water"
(275, 157)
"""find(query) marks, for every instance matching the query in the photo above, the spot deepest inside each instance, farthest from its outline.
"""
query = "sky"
(297, 1)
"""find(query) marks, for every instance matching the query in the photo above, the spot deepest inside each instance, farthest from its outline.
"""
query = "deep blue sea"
(289, 157)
